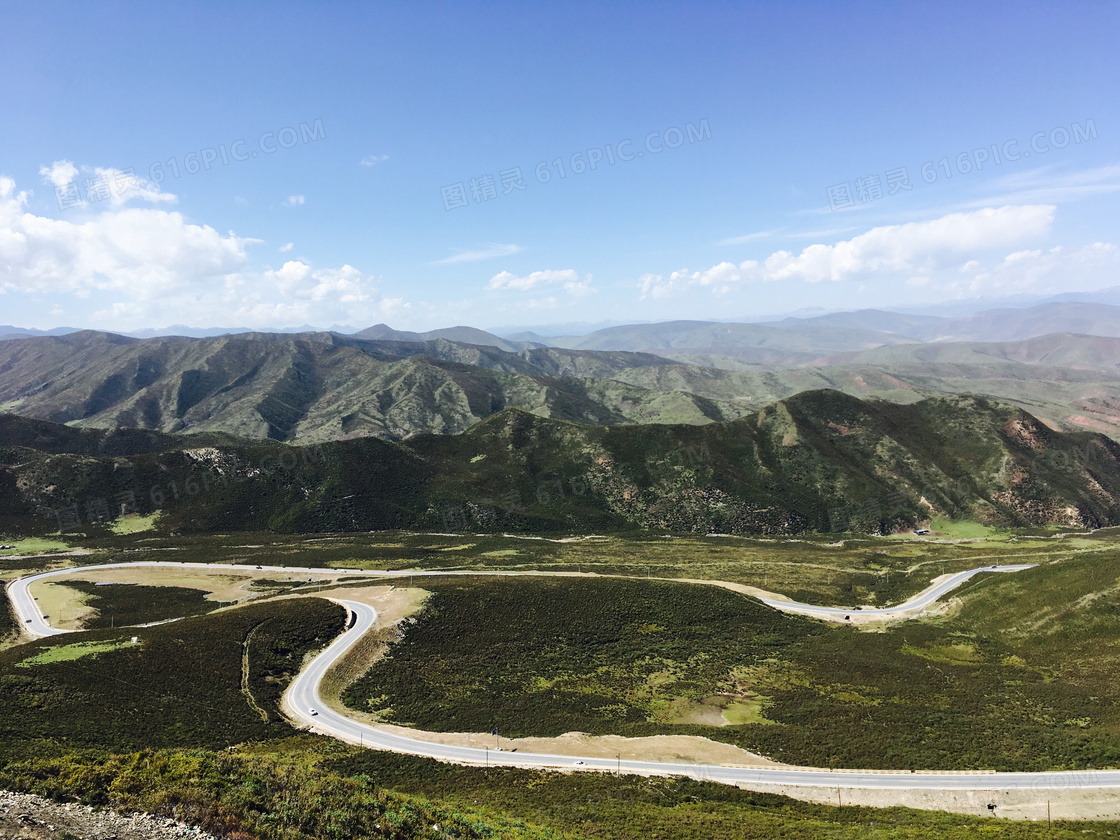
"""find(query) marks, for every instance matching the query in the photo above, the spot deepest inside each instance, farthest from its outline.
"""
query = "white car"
(312, 712)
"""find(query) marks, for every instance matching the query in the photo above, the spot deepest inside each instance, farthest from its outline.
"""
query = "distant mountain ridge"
(464, 335)
(321, 386)
(325, 386)
(794, 342)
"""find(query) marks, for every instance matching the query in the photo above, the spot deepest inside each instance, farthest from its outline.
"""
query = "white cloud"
(152, 267)
(343, 285)
(489, 252)
(146, 252)
(1048, 271)
(124, 186)
(116, 186)
(1046, 185)
(656, 286)
(286, 248)
(540, 304)
(373, 160)
(914, 249)
(567, 278)
(750, 237)
(60, 173)
(294, 201)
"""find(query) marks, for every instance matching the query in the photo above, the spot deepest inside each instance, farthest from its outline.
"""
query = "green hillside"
(317, 387)
(320, 386)
(819, 461)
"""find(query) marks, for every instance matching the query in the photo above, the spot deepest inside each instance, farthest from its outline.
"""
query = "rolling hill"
(756, 343)
(320, 386)
(818, 461)
(315, 387)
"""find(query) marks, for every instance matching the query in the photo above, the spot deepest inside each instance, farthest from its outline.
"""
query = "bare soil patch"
(35, 818)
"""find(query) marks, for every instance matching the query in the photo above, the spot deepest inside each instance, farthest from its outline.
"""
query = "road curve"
(915, 604)
(303, 695)
(36, 624)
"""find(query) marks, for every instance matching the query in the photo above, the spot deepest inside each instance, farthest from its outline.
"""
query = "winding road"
(303, 695)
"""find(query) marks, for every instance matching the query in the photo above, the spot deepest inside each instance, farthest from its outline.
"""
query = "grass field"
(32, 545)
(310, 787)
(133, 523)
(123, 604)
(851, 571)
(1018, 676)
(637, 658)
(179, 686)
(68, 653)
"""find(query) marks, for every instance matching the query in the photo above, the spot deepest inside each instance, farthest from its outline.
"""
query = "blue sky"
(336, 138)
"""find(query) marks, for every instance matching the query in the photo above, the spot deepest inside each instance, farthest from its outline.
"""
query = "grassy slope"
(818, 461)
(311, 787)
(318, 387)
(160, 692)
(1020, 680)
(548, 657)
(125, 604)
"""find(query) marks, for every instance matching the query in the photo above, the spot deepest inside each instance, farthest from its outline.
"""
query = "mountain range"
(818, 461)
(324, 386)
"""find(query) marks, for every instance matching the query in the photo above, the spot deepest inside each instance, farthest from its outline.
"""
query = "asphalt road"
(35, 624)
(303, 695)
(915, 604)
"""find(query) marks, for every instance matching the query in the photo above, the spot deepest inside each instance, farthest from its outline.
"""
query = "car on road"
(580, 763)
(312, 712)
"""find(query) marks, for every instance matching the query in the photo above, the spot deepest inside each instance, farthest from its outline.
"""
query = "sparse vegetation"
(820, 461)
(545, 657)
(308, 787)
(122, 604)
(179, 686)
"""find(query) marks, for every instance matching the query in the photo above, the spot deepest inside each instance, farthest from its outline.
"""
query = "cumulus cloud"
(489, 252)
(60, 173)
(294, 201)
(286, 248)
(1048, 271)
(151, 266)
(914, 249)
(344, 285)
(566, 278)
(144, 251)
